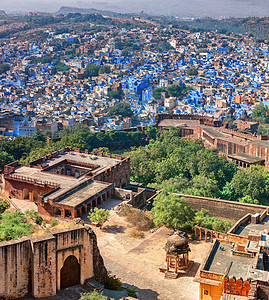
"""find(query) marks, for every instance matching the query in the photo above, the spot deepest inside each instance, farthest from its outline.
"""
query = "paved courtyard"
(137, 261)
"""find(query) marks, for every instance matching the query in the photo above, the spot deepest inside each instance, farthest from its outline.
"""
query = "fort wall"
(229, 210)
(34, 265)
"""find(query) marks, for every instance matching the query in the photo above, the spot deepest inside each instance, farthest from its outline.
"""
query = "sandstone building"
(245, 149)
(41, 266)
(66, 183)
(237, 265)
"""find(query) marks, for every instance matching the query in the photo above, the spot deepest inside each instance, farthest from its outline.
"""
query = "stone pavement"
(136, 262)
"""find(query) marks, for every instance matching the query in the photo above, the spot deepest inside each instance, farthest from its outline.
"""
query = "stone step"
(170, 275)
(92, 284)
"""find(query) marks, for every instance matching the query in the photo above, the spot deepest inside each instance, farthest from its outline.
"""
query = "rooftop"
(83, 193)
(247, 227)
(222, 261)
(246, 158)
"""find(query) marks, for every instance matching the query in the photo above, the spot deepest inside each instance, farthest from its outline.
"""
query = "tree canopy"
(192, 72)
(123, 109)
(173, 212)
(260, 113)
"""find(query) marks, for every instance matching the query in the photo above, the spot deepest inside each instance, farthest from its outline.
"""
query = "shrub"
(13, 226)
(98, 215)
(4, 204)
(93, 296)
(34, 216)
(113, 283)
(53, 222)
(131, 292)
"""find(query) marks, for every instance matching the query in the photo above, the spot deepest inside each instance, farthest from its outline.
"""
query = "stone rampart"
(229, 210)
(38, 266)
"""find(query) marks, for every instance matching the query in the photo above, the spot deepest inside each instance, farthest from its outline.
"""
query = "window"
(205, 292)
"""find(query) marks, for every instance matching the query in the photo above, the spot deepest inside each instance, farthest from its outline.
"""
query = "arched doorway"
(35, 195)
(25, 194)
(70, 272)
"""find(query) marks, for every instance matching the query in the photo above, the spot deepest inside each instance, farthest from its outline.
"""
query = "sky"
(181, 8)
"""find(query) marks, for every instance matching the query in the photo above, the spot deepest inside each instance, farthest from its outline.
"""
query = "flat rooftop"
(264, 144)
(83, 158)
(83, 193)
(247, 227)
(246, 158)
(222, 261)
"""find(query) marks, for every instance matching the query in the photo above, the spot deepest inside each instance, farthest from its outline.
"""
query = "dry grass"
(140, 219)
(137, 234)
(38, 231)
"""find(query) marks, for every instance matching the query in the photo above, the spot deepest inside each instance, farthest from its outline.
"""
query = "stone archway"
(70, 272)
(25, 194)
(35, 195)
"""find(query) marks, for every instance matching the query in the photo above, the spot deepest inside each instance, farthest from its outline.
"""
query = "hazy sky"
(213, 8)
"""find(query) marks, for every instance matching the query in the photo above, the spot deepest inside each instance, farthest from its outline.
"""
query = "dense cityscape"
(133, 156)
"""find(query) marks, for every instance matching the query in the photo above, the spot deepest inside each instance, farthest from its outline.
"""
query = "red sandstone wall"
(15, 269)
(44, 266)
(119, 174)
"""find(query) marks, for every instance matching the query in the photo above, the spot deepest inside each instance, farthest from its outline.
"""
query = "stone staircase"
(170, 275)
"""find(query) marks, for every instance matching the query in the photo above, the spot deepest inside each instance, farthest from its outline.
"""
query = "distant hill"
(67, 10)
(2, 13)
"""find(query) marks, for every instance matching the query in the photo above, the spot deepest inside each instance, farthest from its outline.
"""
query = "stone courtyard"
(137, 261)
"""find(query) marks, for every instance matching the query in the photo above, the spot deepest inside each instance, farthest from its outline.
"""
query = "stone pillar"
(90, 205)
(96, 202)
(74, 214)
(85, 208)
(62, 213)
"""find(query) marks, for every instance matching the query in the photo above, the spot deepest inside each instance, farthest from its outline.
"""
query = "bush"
(93, 296)
(140, 219)
(131, 292)
(53, 222)
(4, 204)
(98, 215)
(113, 283)
(32, 214)
(14, 226)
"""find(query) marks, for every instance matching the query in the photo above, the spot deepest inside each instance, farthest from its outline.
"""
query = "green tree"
(4, 68)
(123, 109)
(5, 158)
(91, 70)
(98, 215)
(104, 70)
(260, 113)
(172, 212)
(174, 90)
(192, 72)
(158, 92)
(115, 94)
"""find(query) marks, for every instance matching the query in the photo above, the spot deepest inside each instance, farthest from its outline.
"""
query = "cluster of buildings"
(232, 77)
(236, 266)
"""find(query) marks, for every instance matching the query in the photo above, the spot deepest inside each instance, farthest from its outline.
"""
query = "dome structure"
(177, 244)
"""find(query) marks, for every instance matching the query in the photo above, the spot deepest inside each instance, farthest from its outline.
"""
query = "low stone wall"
(229, 210)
